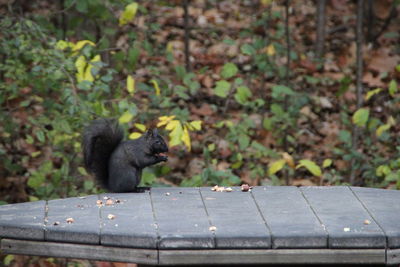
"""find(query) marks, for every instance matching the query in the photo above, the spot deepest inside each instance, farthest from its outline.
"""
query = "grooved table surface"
(197, 225)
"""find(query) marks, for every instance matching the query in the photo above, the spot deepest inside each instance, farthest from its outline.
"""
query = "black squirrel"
(115, 163)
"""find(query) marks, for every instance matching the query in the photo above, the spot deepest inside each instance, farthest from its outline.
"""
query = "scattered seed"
(367, 222)
(212, 228)
(168, 193)
(70, 220)
(99, 203)
(214, 188)
(245, 187)
(346, 229)
(109, 202)
(56, 223)
(111, 216)
(228, 189)
(117, 201)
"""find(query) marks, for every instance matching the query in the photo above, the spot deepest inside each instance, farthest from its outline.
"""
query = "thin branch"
(319, 44)
(287, 79)
(187, 37)
(359, 89)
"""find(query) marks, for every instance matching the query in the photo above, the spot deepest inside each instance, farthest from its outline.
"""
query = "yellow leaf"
(391, 121)
(382, 129)
(172, 125)
(135, 135)
(371, 93)
(327, 163)
(130, 84)
(62, 45)
(79, 45)
(311, 166)
(128, 14)
(140, 126)
(194, 125)
(88, 72)
(170, 47)
(164, 120)
(126, 117)
(289, 159)
(266, 2)
(186, 138)
(155, 83)
(270, 50)
(276, 166)
(80, 65)
(176, 135)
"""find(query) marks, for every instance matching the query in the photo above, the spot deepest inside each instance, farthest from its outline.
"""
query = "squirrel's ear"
(149, 133)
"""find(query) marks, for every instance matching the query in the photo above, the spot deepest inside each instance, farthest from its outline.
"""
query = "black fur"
(115, 163)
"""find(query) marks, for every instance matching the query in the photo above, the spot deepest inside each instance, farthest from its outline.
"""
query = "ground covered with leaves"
(231, 106)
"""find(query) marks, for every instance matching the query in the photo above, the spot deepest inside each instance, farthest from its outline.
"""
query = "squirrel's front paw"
(163, 158)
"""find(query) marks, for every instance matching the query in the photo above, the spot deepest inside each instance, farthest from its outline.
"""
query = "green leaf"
(148, 178)
(382, 170)
(82, 171)
(345, 136)
(242, 94)
(88, 185)
(267, 124)
(276, 166)
(229, 70)
(244, 141)
(392, 87)
(311, 166)
(248, 49)
(82, 6)
(8, 259)
(222, 88)
(281, 90)
(360, 117)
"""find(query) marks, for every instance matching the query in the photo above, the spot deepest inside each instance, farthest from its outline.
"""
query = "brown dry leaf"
(372, 81)
(207, 81)
(382, 60)
(223, 149)
(303, 182)
(204, 110)
(382, 8)
(289, 159)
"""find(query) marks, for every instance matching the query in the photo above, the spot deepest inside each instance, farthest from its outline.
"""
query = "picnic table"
(169, 226)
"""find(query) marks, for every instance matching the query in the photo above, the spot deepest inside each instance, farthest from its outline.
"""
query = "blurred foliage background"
(241, 112)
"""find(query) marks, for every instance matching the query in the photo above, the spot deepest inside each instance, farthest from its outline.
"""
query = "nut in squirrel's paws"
(162, 156)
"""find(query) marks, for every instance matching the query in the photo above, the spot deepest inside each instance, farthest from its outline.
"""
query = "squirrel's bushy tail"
(100, 139)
